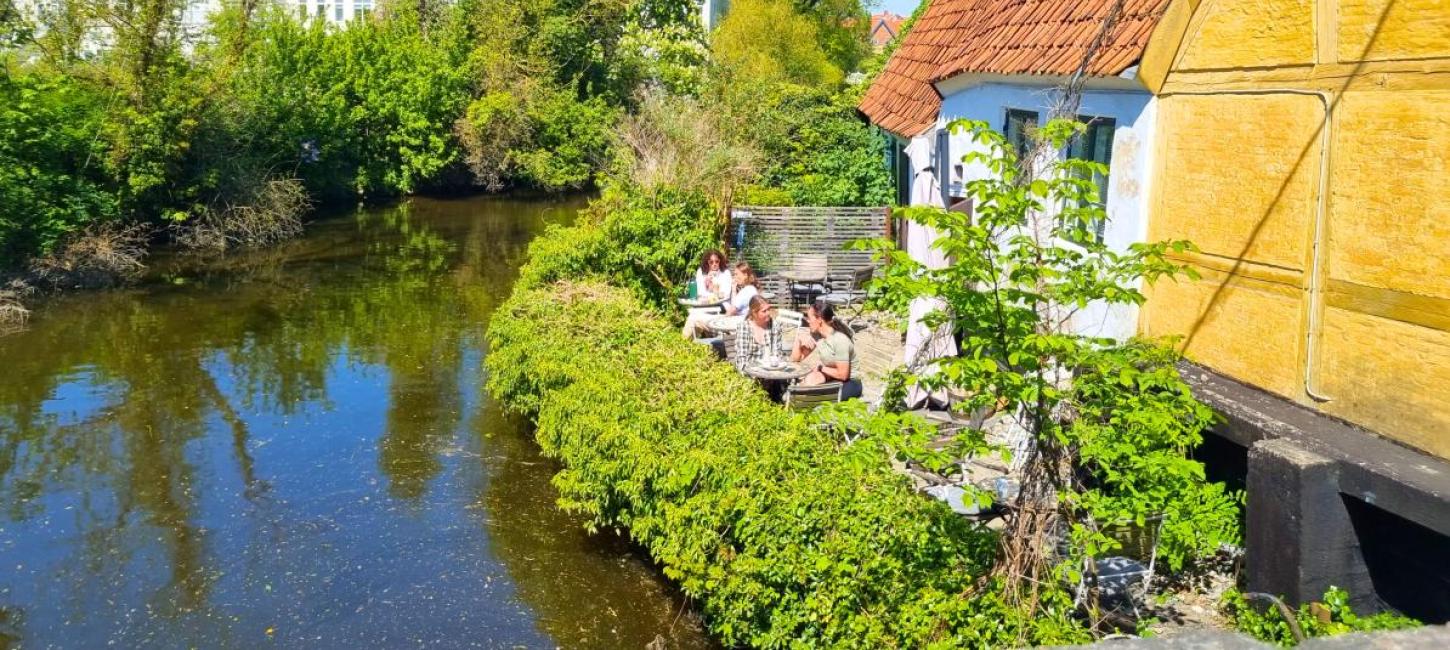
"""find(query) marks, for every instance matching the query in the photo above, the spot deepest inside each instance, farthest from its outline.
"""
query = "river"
(294, 448)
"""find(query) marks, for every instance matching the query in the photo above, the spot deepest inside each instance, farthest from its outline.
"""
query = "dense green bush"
(164, 128)
(571, 140)
(51, 182)
(833, 158)
(819, 151)
(648, 244)
(784, 540)
(375, 101)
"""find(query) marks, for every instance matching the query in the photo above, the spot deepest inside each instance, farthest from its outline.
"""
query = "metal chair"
(805, 398)
(853, 298)
(808, 278)
(790, 319)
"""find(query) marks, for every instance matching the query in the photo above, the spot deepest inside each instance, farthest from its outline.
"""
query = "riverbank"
(110, 262)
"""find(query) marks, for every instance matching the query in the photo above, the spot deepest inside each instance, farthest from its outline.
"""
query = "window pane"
(1096, 144)
(1020, 126)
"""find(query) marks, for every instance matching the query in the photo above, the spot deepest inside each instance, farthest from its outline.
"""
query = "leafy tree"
(817, 150)
(833, 158)
(671, 57)
(570, 140)
(367, 110)
(51, 182)
(843, 30)
(769, 41)
(1105, 426)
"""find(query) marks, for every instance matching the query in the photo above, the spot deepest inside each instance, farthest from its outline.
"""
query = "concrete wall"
(1304, 146)
(1127, 200)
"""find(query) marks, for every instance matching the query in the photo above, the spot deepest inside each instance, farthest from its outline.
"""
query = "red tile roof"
(1010, 37)
(884, 27)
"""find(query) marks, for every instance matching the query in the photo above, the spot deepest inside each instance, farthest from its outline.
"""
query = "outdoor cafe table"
(786, 371)
(724, 324)
(700, 302)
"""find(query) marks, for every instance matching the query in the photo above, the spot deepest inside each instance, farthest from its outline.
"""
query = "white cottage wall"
(1133, 112)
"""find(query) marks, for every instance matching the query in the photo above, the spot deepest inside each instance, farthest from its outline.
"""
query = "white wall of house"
(988, 98)
(337, 12)
(712, 12)
(194, 18)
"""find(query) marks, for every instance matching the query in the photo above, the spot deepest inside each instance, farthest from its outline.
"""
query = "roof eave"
(967, 80)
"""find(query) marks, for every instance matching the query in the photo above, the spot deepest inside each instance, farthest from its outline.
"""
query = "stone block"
(1299, 538)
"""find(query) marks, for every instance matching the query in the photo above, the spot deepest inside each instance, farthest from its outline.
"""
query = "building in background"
(885, 26)
(338, 12)
(712, 12)
(1303, 146)
(999, 61)
(191, 20)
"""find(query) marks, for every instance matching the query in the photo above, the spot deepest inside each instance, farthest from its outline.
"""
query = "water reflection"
(294, 446)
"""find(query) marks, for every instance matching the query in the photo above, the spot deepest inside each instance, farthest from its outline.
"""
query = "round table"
(700, 302)
(724, 324)
(787, 371)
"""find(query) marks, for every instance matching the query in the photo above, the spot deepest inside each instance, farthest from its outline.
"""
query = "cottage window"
(1096, 144)
(1021, 125)
(337, 11)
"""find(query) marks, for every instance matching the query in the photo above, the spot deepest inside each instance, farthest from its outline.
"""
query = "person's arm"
(803, 346)
(741, 301)
(838, 371)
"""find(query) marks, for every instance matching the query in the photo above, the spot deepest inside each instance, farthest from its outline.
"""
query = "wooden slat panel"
(773, 238)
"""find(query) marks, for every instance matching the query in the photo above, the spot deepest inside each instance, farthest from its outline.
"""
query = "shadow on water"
(294, 445)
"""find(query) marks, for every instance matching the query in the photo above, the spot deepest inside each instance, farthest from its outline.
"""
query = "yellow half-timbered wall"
(1304, 146)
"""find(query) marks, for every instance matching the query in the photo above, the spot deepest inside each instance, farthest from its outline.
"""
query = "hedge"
(782, 538)
(643, 244)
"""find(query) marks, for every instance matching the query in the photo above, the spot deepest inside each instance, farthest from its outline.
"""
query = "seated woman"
(835, 350)
(712, 278)
(743, 290)
(758, 336)
(746, 288)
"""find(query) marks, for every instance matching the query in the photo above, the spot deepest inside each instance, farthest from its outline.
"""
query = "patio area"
(802, 255)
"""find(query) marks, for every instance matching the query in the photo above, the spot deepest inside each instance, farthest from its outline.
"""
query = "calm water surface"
(293, 448)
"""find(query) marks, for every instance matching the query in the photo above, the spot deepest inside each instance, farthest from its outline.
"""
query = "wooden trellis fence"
(774, 239)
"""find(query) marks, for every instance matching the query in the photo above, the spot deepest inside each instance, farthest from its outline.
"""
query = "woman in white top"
(739, 303)
(712, 278)
(745, 288)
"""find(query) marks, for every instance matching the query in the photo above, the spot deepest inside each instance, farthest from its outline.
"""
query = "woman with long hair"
(747, 287)
(743, 290)
(758, 336)
(834, 347)
(712, 278)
